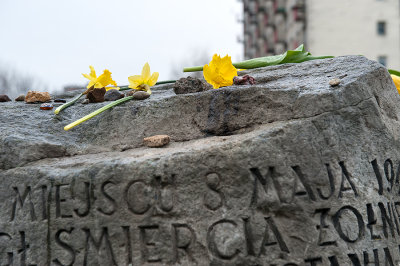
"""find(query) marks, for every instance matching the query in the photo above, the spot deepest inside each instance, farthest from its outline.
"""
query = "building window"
(382, 59)
(381, 27)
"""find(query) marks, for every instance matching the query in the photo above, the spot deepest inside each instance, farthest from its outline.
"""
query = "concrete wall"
(344, 27)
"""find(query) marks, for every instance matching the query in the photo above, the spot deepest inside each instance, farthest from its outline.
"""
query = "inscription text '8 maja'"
(290, 171)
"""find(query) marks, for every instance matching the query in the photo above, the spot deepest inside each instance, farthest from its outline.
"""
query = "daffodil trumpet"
(291, 56)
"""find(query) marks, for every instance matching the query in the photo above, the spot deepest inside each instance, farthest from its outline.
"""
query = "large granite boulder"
(290, 171)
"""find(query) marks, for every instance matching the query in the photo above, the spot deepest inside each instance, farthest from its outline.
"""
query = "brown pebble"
(60, 101)
(4, 98)
(141, 95)
(37, 96)
(130, 93)
(96, 95)
(20, 98)
(156, 141)
(334, 82)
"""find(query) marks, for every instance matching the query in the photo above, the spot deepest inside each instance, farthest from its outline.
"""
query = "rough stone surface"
(156, 141)
(290, 171)
(37, 96)
(113, 95)
(191, 85)
(4, 98)
(20, 98)
(96, 95)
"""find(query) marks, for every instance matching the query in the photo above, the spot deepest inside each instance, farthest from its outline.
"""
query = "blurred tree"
(14, 83)
(196, 58)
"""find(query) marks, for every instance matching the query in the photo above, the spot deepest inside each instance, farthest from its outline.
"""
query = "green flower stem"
(394, 72)
(254, 63)
(68, 104)
(98, 111)
(126, 87)
(297, 55)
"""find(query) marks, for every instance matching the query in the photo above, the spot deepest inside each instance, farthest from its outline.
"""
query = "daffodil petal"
(146, 72)
(153, 79)
(92, 72)
(112, 88)
(89, 77)
(91, 84)
(396, 81)
(98, 85)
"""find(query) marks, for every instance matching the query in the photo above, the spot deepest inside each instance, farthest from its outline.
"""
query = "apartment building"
(341, 27)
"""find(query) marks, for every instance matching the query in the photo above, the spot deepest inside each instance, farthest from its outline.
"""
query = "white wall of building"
(345, 27)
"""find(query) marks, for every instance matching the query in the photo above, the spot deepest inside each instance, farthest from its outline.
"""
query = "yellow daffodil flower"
(145, 81)
(220, 71)
(101, 81)
(396, 80)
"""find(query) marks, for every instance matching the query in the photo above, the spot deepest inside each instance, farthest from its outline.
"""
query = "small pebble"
(141, 95)
(60, 101)
(96, 95)
(85, 101)
(113, 95)
(244, 80)
(156, 141)
(4, 98)
(46, 106)
(191, 85)
(37, 96)
(334, 82)
(130, 93)
(20, 98)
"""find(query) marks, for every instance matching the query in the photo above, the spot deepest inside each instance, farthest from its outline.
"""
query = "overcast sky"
(57, 40)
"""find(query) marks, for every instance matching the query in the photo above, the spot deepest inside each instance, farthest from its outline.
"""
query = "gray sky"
(57, 40)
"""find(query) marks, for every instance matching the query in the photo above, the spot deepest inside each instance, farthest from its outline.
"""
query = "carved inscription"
(255, 234)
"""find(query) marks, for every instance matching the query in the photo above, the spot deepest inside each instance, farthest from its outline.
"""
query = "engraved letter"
(65, 246)
(88, 192)
(303, 182)
(97, 245)
(213, 199)
(212, 245)
(346, 176)
(182, 243)
(331, 184)
(268, 184)
(59, 199)
(338, 226)
(141, 197)
(110, 199)
(21, 200)
(371, 222)
(378, 176)
(376, 258)
(322, 226)
(145, 242)
(386, 219)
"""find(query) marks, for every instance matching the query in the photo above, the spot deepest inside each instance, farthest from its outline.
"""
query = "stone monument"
(290, 171)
